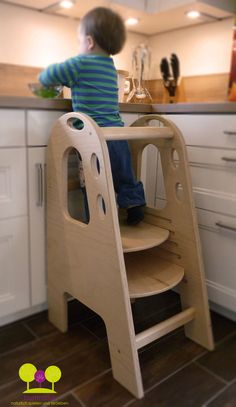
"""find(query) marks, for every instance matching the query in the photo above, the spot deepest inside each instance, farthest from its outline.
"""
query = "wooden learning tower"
(103, 264)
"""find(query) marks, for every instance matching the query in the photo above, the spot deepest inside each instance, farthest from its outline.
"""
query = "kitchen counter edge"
(65, 105)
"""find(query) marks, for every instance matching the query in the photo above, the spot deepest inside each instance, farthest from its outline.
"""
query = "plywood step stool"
(103, 264)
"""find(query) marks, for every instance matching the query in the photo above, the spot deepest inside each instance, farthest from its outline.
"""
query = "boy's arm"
(64, 73)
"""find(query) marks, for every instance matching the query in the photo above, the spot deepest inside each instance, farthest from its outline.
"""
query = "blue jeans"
(129, 191)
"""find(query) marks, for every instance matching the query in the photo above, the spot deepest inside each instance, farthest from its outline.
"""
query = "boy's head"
(104, 28)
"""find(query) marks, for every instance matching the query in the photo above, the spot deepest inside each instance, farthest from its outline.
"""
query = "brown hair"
(107, 29)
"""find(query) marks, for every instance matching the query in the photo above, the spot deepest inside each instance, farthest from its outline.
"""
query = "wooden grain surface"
(14, 81)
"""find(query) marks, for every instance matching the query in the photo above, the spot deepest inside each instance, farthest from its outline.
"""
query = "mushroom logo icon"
(29, 373)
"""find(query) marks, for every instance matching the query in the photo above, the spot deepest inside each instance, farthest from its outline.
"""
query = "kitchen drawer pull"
(229, 159)
(39, 177)
(224, 226)
(230, 132)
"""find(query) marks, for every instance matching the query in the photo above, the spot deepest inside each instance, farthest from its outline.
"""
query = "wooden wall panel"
(204, 88)
(14, 79)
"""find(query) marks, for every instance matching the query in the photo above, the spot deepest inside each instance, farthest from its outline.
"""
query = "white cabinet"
(14, 253)
(208, 130)
(39, 125)
(12, 129)
(14, 270)
(218, 237)
(211, 146)
(37, 196)
(22, 210)
(13, 189)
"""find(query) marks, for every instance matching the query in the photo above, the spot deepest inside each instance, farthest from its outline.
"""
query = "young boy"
(92, 77)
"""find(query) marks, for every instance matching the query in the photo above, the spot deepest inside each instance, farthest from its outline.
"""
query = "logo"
(29, 373)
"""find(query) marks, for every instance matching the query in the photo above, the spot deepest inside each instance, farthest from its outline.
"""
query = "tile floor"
(176, 372)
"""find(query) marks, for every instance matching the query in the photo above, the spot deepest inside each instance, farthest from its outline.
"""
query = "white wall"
(37, 39)
(203, 49)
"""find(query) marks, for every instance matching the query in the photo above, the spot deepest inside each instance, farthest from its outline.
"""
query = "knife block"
(179, 94)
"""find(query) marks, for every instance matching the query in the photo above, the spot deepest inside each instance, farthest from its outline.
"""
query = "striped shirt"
(93, 82)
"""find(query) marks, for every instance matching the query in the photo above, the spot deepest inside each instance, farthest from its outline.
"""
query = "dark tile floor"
(176, 371)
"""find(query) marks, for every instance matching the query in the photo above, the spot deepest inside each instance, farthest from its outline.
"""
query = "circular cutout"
(175, 158)
(153, 123)
(75, 123)
(179, 191)
(101, 207)
(95, 165)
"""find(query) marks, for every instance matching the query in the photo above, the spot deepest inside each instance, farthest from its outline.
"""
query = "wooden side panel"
(86, 260)
(181, 216)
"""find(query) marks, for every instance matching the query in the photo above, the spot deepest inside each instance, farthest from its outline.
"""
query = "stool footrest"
(163, 328)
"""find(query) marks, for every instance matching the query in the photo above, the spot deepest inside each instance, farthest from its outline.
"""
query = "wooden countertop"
(65, 105)
(219, 107)
(61, 104)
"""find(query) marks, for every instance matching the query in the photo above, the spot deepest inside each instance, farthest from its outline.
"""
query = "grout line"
(67, 393)
(91, 380)
(20, 347)
(204, 352)
(30, 330)
(211, 372)
(3, 386)
(78, 399)
(218, 393)
(160, 382)
(69, 354)
(71, 391)
(41, 338)
(221, 341)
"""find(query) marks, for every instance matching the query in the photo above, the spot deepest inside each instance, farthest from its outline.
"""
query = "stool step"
(163, 328)
(141, 237)
(149, 274)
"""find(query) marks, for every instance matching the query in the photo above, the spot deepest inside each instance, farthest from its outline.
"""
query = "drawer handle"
(224, 226)
(230, 132)
(229, 159)
(39, 177)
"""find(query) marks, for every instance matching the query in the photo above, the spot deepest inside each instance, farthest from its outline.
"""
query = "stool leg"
(57, 305)
(124, 356)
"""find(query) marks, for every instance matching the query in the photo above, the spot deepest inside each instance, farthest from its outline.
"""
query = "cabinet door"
(218, 238)
(39, 126)
(14, 270)
(36, 163)
(12, 129)
(13, 187)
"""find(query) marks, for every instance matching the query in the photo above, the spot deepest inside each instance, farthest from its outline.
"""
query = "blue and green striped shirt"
(93, 82)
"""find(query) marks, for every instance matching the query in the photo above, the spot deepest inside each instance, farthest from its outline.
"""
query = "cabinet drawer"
(14, 270)
(13, 187)
(226, 159)
(12, 127)
(39, 126)
(207, 130)
(213, 180)
(218, 238)
(214, 188)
